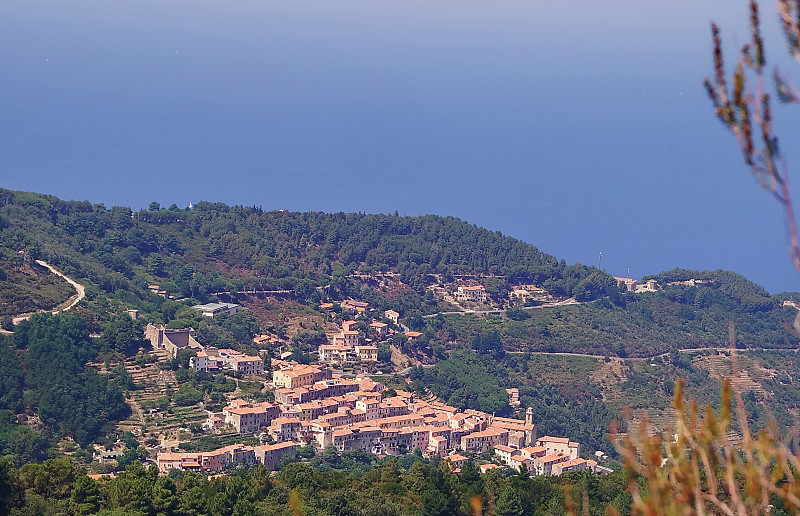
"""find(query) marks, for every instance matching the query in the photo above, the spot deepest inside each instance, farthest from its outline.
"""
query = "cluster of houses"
(217, 460)
(211, 360)
(632, 285)
(314, 406)
(208, 359)
(474, 293)
(550, 456)
(347, 346)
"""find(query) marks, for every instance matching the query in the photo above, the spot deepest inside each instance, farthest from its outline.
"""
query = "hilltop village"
(317, 405)
(373, 364)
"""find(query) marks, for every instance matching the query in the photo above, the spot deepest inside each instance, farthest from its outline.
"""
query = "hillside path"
(653, 357)
(80, 289)
(80, 293)
(566, 302)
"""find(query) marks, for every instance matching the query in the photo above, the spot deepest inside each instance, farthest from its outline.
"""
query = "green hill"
(217, 251)
(215, 247)
(647, 324)
(194, 253)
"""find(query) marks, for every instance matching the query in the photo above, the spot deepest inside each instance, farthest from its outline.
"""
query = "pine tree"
(85, 495)
(508, 503)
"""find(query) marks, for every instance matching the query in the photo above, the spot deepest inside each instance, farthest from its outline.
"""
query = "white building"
(392, 315)
(214, 309)
(475, 293)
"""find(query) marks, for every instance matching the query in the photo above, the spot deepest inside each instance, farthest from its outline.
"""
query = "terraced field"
(148, 420)
(721, 366)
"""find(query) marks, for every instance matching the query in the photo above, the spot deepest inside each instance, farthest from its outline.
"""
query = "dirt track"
(71, 302)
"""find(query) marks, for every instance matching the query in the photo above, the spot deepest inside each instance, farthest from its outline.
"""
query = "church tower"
(530, 428)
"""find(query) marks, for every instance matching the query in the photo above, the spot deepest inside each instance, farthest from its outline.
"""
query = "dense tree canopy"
(389, 487)
(10, 377)
(68, 395)
(193, 249)
(465, 381)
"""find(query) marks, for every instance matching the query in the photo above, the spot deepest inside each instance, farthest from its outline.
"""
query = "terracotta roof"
(489, 432)
(552, 458)
(98, 476)
(285, 420)
(278, 446)
(246, 358)
(573, 462)
(550, 439)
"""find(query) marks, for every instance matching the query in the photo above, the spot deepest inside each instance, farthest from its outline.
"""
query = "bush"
(517, 314)
(187, 395)
(701, 471)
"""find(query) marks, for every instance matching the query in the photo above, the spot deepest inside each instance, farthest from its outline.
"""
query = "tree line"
(387, 488)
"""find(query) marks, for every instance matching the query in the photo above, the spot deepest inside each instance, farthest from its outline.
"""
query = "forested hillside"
(215, 251)
(214, 247)
(43, 371)
(642, 325)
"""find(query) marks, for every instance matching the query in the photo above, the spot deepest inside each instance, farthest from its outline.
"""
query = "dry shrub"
(699, 470)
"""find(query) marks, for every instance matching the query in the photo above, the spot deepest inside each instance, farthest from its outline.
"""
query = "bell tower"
(530, 427)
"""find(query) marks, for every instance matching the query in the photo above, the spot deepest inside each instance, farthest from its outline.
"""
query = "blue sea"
(581, 127)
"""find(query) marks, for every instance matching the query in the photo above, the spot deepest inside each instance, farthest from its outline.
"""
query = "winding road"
(80, 293)
(653, 357)
(566, 302)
